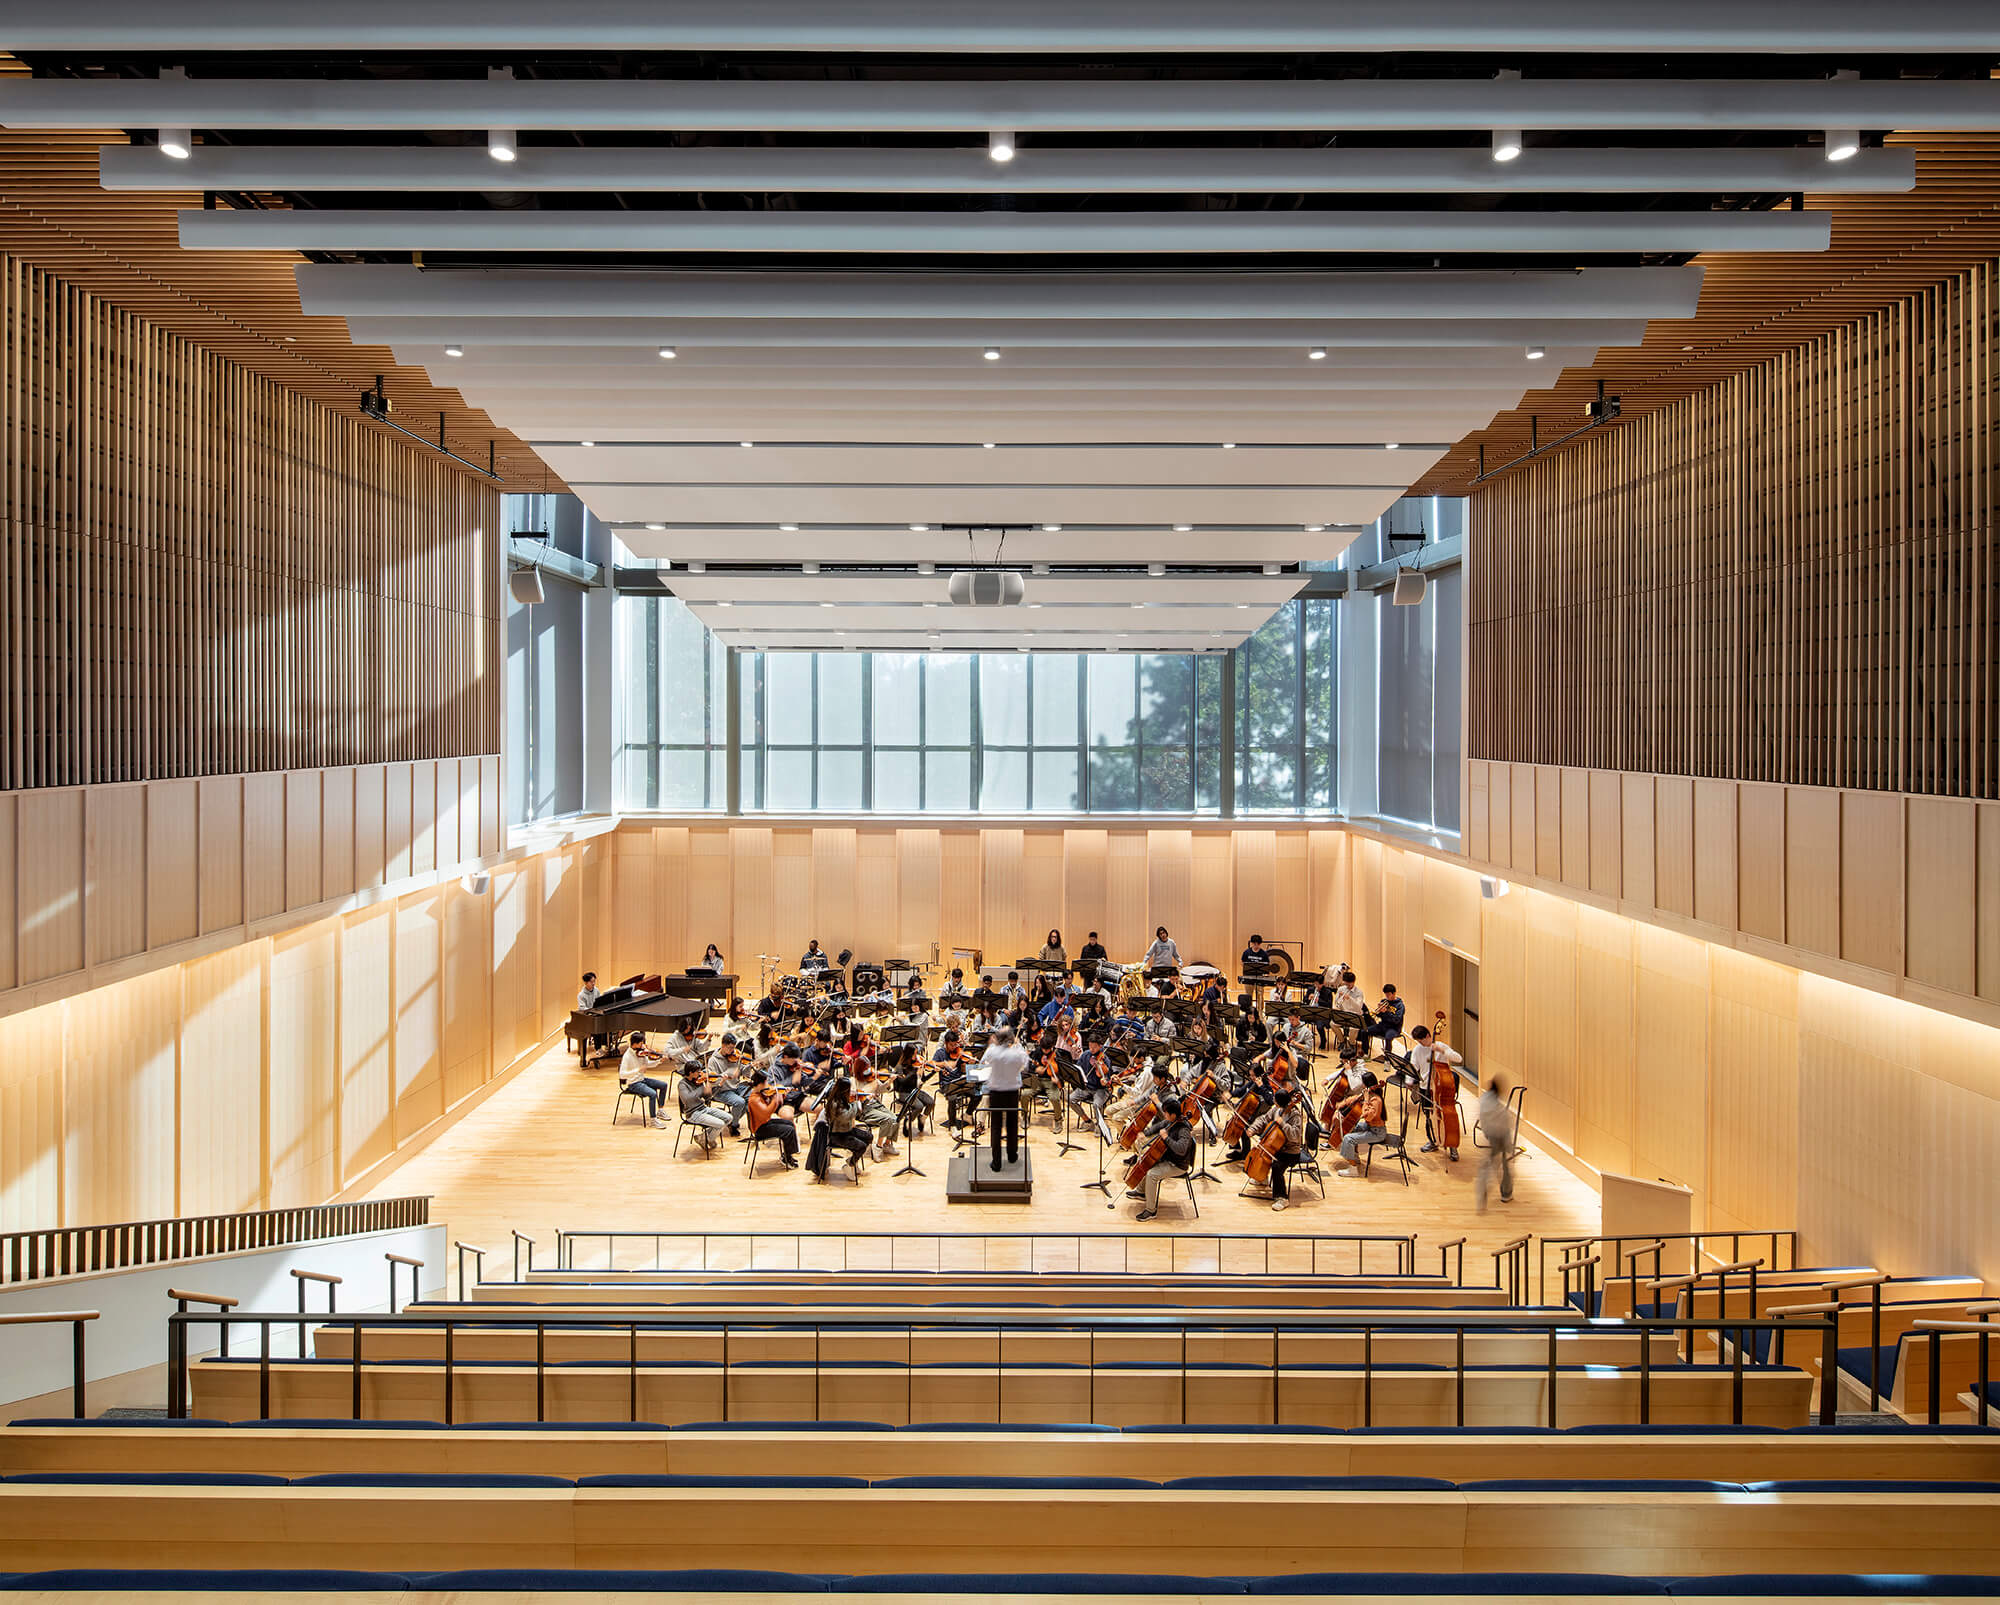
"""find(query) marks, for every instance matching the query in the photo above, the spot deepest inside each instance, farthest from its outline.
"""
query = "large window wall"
(958, 733)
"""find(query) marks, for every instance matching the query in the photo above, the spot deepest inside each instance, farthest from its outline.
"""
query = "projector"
(987, 588)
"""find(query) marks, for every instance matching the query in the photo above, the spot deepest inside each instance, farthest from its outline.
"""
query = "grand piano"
(648, 1003)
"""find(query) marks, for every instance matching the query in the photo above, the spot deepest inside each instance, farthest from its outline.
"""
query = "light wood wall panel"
(114, 893)
(793, 913)
(1785, 577)
(1779, 1097)
(275, 1072)
(188, 544)
(48, 883)
(173, 870)
(960, 888)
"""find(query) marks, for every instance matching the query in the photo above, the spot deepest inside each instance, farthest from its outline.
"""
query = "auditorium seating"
(1206, 1526)
(1197, 1291)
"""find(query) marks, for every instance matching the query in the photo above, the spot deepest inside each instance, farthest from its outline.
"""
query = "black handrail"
(37, 1255)
(567, 1239)
(78, 1320)
(1459, 1324)
(1788, 1260)
(1982, 1383)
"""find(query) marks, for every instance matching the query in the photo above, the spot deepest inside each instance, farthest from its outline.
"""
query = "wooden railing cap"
(403, 1259)
(38, 1317)
(202, 1298)
(315, 1276)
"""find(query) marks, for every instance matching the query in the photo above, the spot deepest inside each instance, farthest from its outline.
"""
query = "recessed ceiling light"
(1242, 607)
(669, 353)
(918, 529)
(789, 529)
(1229, 445)
(746, 444)
(1000, 145)
(987, 445)
(1123, 636)
(500, 144)
(1182, 529)
(176, 142)
(1138, 604)
(291, 339)
(826, 604)
(1034, 604)
(697, 568)
(1392, 445)
(1687, 348)
(1506, 144)
(1156, 569)
(656, 526)
(454, 351)
(1317, 354)
(586, 442)
(725, 604)
(1270, 569)
(991, 354)
(1536, 353)
(1842, 143)
(1052, 529)
(1314, 529)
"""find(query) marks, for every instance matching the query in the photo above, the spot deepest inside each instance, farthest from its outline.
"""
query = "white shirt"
(1161, 953)
(1349, 998)
(1001, 1068)
(633, 1066)
(1424, 1054)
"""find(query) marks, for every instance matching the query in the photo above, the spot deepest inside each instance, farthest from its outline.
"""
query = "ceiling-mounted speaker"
(526, 585)
(1410, 587)
(987, 588)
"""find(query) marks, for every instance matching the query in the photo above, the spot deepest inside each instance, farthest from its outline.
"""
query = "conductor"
(1001, 1068)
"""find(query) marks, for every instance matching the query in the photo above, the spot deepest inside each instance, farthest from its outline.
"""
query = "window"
(993, 733)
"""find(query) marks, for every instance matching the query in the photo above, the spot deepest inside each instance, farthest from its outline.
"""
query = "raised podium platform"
(969, 1178)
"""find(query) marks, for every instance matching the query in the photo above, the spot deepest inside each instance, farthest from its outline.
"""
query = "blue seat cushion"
(340, 1424)
(1037, 1583)
(782, 1426)
(1433, 1584)
(175, 1580)
(1886, 1585)
(1674, 1429)
(160, 1479)
(675, 1479)
(1454, 1432)
(1005, 1426)
(430, 1479)
(1599, 1485)
(561, 1426)
(533, 1580)
(117, 1421)
(1325, 1484)
(1854, 1362)
(1013, 1482)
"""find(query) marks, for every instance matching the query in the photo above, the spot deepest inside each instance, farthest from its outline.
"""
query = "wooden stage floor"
(540, 1154)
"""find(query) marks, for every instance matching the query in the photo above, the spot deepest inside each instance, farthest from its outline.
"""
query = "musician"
(725, 1080)
(681, 1052)
(1096, 1090)
(1174, 1163)
(1295, 1033)
(955, 988)
(1347, 995)
(1001, 1069)
(1388, 1022)
(767, 1122)
(634, 1076)
(1092, 951)
(587, 998)
(872, 1111)
(1254, 1082)
(1140, 1086)
(792, 1076)
(813, 958)
(738, 1016)
(706, 1122)
(711, 960)
(1437, 1083)
(952, 1015)
(1251, 1031)
(913, 1101)
(1289, 1114)
(1211, 991)
(1256, 957)
(836, 1107)
(1052, 950)
(1163, 954)
(1055, 1008)
(1160, 1027)
(1013, 995)
(1371, 1124)
(950, 1060)
(916, 1015)
(772, 1005)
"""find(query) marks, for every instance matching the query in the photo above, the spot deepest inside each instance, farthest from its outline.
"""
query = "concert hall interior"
(1122, 758)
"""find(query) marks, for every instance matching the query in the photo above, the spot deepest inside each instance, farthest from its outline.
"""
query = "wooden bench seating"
(575, 1452)
(1062, 1529)
(1187, 1292)
(940, 1345)
(1501, 1396)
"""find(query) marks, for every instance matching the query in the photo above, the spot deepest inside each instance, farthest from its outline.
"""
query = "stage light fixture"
(1000, 145)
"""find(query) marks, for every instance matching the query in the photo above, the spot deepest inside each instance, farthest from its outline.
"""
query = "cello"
(1151, 1155)
(1246, 1111)
(1257, 1163)
(1142, 1117)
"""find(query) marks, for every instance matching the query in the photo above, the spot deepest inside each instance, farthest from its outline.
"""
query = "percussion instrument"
(1257, 1163)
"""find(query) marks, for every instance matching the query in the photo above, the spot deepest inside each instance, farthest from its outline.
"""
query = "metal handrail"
(77, 1320)
(460, 1250)
(1643, 1242)
(1404, 1245)
(1459, 1324)
(39, 1254)
(1982, 1383)
(416, 1270)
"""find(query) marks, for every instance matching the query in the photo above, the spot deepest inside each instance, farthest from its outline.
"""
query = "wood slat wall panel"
(208, 573)
(1791, 576)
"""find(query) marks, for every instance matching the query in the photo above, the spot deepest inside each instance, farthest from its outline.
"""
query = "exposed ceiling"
(757, 289)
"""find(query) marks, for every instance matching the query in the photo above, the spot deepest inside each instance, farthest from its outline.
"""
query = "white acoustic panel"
(809, 543)
(979, 504)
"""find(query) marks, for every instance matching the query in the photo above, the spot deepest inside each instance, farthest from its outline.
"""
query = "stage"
(538, 1154)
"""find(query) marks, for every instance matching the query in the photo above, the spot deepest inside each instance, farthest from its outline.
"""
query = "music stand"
(1208, 1134)
(1104, 1140)
(1069, 1079)
(911, 1134)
